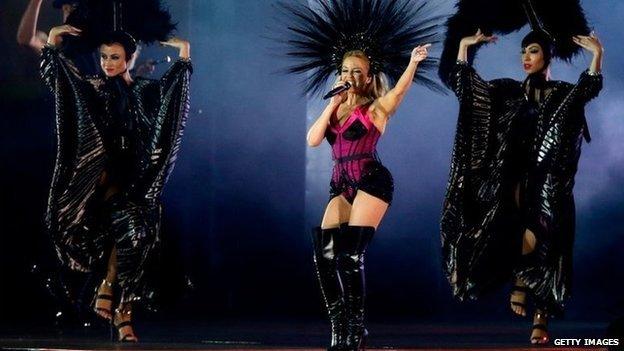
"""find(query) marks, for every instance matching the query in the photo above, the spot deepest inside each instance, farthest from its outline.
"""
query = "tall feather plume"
(561, 19)
(146, 20)
(385, 30)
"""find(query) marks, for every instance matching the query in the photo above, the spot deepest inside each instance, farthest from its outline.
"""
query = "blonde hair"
(379, 84)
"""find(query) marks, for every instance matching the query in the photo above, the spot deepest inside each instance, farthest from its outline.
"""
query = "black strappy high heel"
(539, 340)
(106, 297)
(521, 289)
(123, 337)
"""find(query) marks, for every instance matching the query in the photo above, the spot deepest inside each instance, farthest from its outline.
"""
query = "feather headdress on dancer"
(553, 21)
(146, 21)
(386, 31)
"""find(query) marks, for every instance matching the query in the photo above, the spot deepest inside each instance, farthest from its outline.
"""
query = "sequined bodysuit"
(356, 165)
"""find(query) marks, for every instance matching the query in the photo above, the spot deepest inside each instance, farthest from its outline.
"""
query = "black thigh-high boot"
(331, 288)
(352, 246)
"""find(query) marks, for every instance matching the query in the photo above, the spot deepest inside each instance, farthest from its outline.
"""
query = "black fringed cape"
(481, 231)
(83, 110)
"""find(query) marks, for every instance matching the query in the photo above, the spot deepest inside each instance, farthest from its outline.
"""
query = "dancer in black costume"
(360, 42)
(509, 209)
(117, 141)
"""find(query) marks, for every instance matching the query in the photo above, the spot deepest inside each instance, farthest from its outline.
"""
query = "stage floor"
(182, 347)
(301, 336)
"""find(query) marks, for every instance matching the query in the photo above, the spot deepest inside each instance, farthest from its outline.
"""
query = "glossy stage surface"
(258, 335)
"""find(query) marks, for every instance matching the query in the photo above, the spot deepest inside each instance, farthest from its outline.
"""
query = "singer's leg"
(325, 263)
(367, 210)
(336, 212)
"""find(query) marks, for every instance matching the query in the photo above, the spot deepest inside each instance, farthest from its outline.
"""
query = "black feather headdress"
(385, 30)
(146, 21)
(559, 19)
(58, 4)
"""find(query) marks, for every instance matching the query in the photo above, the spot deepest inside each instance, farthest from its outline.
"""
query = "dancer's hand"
(420, 53)
(57, 32)
(180, 44)
(478, 38)
(176, 43)
(592, 44)
(589, 42)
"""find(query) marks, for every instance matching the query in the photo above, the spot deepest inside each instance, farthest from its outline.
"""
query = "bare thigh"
(367, 210)
(336, 212)
(528, 239)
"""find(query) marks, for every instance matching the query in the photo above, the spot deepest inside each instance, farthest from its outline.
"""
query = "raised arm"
(27, 30)
(180, 72)
(592, 44)
(463, 78)
(590, 82)
(183, 46)
(54, 38)
(386, 105)
(465, 43)
(168, 126)
(53, 63)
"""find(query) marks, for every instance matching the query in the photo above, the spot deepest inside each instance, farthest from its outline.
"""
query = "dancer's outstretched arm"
(463, 77)
(466, 42)
(590, 81)
(27, 30)
(57, 32)
(183, 46)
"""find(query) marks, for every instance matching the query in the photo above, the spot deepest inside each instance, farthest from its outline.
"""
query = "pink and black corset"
(356, 165)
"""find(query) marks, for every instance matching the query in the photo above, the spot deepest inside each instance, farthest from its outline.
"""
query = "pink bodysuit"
(356, 165)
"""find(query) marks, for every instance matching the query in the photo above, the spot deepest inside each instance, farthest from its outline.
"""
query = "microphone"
(337, 90)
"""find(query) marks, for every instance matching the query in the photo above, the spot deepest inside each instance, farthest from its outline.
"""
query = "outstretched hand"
(420, 53)
(180, 44)
(588, 42)
(175, 43)
(478, 38)
(59, 31)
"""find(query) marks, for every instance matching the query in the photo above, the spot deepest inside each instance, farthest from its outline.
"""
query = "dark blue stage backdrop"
(244, 194)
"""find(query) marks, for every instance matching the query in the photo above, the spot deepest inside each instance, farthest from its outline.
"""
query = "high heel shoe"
(102, 311)
(539, 324)
(520, 301)
(119, 324)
